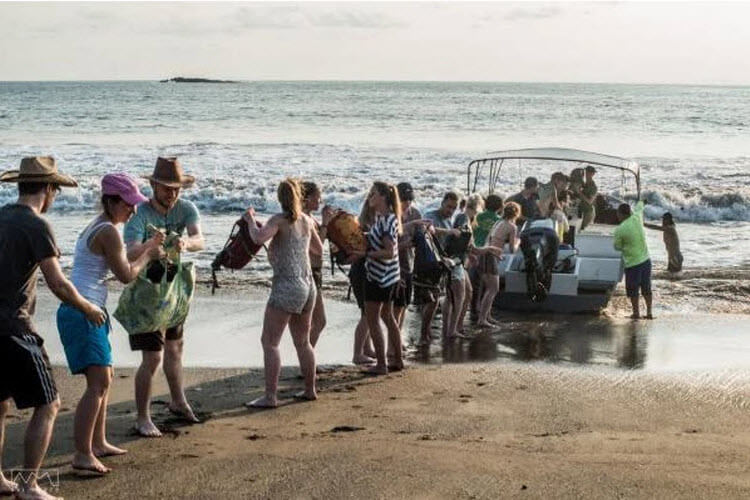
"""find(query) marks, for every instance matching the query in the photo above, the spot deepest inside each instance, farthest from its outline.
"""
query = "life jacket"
(237, 252)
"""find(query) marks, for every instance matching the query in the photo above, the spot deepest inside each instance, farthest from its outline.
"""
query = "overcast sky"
(560, 42)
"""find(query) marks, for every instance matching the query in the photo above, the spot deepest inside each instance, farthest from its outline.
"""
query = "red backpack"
(237, 252)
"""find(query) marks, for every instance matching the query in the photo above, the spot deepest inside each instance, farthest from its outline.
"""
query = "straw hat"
(168, 171)
(38, 169)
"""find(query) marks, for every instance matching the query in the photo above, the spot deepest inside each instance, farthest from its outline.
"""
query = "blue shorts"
(85, 343)
(638, 277)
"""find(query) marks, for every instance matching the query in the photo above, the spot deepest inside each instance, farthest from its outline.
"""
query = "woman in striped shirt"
(383, 274)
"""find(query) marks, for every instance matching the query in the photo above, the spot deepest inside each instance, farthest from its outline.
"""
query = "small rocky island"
(182, 79)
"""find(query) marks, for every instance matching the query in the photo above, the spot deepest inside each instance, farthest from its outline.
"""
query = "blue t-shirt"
(439, 221)
(183, 214)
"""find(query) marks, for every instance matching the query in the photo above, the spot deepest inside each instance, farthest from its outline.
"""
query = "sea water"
(240, 139)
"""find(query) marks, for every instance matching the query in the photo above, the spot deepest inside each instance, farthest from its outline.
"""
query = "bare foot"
(485, 324)
(35, 493)
(396, 366)
(184, 412)
(7, 488)
(305, 396)
(376, 370)
(635, 316)
(89, 463)
(107, 450)
(363, 360)
(146, 428)
(263, 402)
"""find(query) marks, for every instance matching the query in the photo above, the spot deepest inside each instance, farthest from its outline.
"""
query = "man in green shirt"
(630, 239)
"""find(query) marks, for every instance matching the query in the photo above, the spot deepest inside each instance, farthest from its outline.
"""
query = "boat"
(578, 276)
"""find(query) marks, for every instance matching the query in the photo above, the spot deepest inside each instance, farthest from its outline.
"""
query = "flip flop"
(185, 415)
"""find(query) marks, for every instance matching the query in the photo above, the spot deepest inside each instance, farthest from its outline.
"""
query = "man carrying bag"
(165, 211)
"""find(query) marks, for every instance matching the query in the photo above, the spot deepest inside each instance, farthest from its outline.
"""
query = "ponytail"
(290, 198)
(392, 200)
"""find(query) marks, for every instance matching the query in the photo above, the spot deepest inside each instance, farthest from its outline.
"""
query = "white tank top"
(90, 270)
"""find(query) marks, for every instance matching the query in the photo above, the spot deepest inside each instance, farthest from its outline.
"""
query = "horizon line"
(333, 80)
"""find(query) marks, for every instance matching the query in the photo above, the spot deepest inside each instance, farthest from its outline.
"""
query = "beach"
(546, 406)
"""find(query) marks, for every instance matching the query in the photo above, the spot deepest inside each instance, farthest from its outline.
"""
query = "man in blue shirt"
(442, 223)
(166, 211)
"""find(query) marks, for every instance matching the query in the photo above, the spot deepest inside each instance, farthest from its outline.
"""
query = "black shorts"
(638, 277)
(317, 276)
(357, 278)
(375, 293)
(403, 292)
(25, 372)
(154, 341)
(488, 264)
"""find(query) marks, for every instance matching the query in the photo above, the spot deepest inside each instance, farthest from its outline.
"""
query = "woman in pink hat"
(98, 250)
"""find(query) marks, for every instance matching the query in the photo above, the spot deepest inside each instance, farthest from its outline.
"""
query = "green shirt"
(630, 238)
(183, 214)
(485, 221)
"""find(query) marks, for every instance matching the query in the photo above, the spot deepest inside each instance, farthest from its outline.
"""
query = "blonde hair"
(392, 201)
(290, 198)
(475, 202)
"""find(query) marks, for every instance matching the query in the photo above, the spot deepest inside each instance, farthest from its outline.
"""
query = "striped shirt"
(384, 272)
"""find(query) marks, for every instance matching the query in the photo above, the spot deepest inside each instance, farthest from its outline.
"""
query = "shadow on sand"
(216, 399)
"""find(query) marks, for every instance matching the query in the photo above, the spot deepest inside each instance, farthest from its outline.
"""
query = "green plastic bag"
(145, 306)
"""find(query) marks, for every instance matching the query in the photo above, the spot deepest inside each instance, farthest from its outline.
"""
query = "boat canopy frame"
(494, 162)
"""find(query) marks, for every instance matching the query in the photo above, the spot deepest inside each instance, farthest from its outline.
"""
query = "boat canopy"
(494, 162)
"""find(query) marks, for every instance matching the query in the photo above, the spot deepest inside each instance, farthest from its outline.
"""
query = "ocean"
(240, 139)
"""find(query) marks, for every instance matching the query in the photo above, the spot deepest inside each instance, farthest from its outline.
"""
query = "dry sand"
(447, 431)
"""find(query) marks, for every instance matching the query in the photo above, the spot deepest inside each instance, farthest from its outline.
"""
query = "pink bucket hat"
(124, 186)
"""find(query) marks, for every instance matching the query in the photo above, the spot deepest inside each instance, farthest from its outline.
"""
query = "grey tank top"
(288, 251)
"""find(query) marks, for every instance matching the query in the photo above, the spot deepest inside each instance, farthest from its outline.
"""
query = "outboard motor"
(539, 244)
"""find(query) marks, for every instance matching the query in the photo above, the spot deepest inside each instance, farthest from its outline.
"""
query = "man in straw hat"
(167, 211)
(27, 243)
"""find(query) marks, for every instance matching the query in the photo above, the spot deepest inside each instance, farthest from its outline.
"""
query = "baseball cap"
(405, 191)
(124, 186)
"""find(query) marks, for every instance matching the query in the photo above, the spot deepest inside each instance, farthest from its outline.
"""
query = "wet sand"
(543, 407)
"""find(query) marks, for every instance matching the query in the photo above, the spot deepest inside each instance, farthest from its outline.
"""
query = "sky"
(619, 42)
